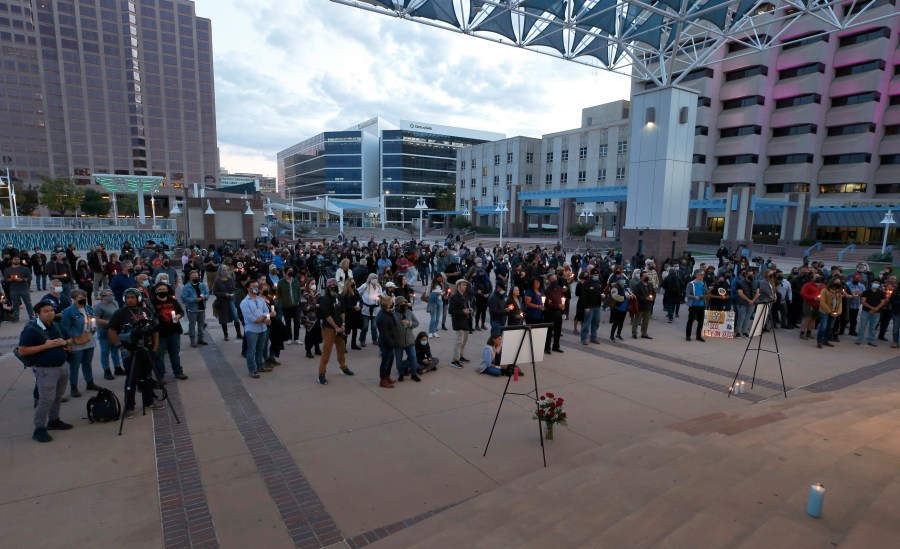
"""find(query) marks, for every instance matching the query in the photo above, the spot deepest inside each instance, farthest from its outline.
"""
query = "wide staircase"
(829, 255)
(736, 479)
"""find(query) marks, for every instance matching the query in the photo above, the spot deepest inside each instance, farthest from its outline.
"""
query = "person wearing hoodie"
(404, 324)
(426, 362)
(385, 321)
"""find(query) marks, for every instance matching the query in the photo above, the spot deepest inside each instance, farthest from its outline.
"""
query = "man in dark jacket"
(384, 320)
(497, 307)
(461, 317)
(592, 294)
(645, 295)
(553, 309)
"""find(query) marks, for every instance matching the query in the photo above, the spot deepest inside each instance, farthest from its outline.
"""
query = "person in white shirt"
(371, 293)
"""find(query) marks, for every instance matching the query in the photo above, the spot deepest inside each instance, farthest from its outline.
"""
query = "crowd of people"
(344, 293)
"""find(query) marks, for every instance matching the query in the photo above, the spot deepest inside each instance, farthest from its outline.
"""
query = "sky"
(288, 70)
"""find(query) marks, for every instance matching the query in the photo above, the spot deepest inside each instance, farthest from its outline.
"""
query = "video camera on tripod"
(136, 337)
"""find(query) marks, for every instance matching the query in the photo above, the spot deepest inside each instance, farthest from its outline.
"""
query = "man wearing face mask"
(288, 292)
(592, 294)
(872, 302)
(331, 317)
(135, 312)
(257, 319)
(59, 270)
(59, 299)
(104, 312)
(18, 277)
(404, 340)
(553, 309)
(830, 307)
(195, 294)
(121, 281)
(169, 314)
(169, 270)
(497, 307)
(645, 295)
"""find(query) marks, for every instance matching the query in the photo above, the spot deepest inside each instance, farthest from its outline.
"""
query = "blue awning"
(769, 204)
(445, 213)
(706, 204)
(486, 209)
(849, 216)
(541, 209)
(617, 193)
(768, 216)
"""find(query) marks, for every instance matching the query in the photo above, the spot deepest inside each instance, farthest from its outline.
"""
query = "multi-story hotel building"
(107, 86)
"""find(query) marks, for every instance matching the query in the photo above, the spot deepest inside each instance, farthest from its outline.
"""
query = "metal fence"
(84, 224)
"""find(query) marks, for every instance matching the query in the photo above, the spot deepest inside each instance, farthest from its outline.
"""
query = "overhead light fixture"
(209, 210)
(248, 211)
(176, 209)
(650, 117)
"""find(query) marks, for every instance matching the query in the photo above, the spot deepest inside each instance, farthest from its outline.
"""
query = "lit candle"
(563, 302)
(94, 324)
(742, 387)
(816, 500)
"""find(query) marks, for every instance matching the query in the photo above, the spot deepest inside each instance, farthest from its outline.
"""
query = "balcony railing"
(85, 224)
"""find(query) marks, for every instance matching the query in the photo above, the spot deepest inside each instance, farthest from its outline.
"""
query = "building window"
(895, 100)
(496, 160)
(509, 158)
(549, 158)
(802, 70)
(746, 72)
(864, 36)
(484, 191)
(787, 188)
(548, 179)
(842, 188)
(563, 179)
(890, 159)
(859, 68)
(496, 180)
(737, 159)
(548, 202)
(856, 7)
(509, 179)
(529, 179)
(473, 183)
(474, 164)
(582, 152)
(851, 129)
(604, 148)
(623, 147)
(715, 224)
(851, 158)
(740, 46)
(743, 102)
(783, 159)
(804, 40)
(582, 176)
(704, 101)
(855, 99)
(798, 100)
(496, 200)
(462, 164)
(740, 130)
(699, 159)
(701, 130)
(890, 188)
(892, 130)
(620, 173)
(800, 129)
(601, 175)
(529, 158)
(565, 155)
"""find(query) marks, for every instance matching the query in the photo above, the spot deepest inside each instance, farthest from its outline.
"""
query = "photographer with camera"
(135, 327)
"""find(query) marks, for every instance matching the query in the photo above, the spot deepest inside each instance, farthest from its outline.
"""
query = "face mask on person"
(145, 284)
(108, 299)
(401, 308)
(423, 342)
(290, 274)
(166, 264)
(162, 295)
(595, 278)
(55, 289)
(195, 280)
(254, 291)
(876, 286)
(82, 302)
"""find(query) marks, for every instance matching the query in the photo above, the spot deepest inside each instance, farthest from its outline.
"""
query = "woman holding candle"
(310, 319)
(534, 303)
(77, 328)
(435, 304)
(620, 297)
(85, 278)
(515, 315)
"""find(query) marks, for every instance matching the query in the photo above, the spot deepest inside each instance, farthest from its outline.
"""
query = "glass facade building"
(327, 164)
(107, 86)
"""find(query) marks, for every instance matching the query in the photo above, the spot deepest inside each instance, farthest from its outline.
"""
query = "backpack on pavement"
(103, 407)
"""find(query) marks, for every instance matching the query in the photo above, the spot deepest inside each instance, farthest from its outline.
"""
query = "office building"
(398, 163)
(107, 86)
(265, 184)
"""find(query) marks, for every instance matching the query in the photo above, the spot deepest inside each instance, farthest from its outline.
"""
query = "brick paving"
(186, 520)
(848, 379)
(308, 522)
(370, 537)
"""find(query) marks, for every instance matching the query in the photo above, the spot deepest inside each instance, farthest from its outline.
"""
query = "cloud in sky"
(286, 71)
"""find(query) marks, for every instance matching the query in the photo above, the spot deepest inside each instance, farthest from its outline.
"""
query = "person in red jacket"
(810, 294)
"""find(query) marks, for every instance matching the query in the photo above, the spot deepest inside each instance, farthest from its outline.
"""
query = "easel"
(529, 337)
(759, 323)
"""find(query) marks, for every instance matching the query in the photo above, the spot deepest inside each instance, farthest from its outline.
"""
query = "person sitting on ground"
(426, 362)
(490, 358)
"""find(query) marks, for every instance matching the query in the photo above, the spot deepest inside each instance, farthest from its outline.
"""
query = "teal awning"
(541, 209)
(618, 193)
(128, 183)
(445, 213)
(706, 204)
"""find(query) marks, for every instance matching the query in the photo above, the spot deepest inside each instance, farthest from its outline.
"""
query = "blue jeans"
(170, 344)
(492, 371)
(437, 315)
(256, 349)
(826, 325)
(743, 318)
(896, 327)
(81, 359)
(108, 350)
(409, 365)
(21, 297)
(40, 282)
(866, 329)
(369, 321)
(591, 323)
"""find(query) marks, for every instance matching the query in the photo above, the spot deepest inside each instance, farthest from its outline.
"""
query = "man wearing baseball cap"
(331, 317)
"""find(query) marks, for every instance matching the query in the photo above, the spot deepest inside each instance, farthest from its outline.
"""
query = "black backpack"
(103, 407)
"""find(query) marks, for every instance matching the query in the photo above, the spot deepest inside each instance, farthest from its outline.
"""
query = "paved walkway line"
(848, 379)
(308, 522)
(370, 537)
(186, 521)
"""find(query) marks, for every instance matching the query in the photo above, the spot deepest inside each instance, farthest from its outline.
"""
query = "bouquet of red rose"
(550, 411)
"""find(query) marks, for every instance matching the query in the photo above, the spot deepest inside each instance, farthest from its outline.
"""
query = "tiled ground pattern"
(372, 536)
(308, 522)
(847, 379)
(186, 520)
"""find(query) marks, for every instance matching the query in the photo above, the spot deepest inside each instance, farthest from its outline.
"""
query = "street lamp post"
(887, 222)
(586, 213)
(293, 221)
(384, 207)
(501, 209)
(421, 206)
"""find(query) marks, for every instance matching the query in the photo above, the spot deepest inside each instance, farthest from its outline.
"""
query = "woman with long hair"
(515, 315)
(352, 304)
(85, 278)
(310, 319)
(534, 303)
(435, 306)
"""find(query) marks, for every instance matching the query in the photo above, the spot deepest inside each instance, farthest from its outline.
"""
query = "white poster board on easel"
(516, 341)
(759, 320)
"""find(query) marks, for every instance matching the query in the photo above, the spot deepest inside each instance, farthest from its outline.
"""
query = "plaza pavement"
(281, 461)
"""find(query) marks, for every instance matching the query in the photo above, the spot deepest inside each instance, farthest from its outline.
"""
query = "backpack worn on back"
(103, 407)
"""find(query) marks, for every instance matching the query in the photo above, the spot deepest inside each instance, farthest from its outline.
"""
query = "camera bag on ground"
(103, 407)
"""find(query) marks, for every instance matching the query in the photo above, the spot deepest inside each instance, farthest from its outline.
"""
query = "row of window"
(800, 129)
(564, 155)
(801, 158)
(805, 99)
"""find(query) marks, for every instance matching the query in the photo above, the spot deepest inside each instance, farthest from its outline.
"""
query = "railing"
(850, 248)
(84, 224)
(765, 249)
(817, 247)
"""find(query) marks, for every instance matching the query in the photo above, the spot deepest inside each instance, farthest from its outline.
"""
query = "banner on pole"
(718, 324)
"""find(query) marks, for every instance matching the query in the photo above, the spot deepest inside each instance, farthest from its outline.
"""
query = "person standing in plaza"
(386, 343)
(645, 296)
(288, 292)
(591, 293)
(830, 307)
(257, 317)
(104, 312)
(169, 313)
(331, 317)
(872, 302)
(460, 320)
(497, 307)
(44, 345)
(18, 277)
(59, 270)
(810, 294)
(370, 294)
(404, 340)
(855, 288)
(97, 261)
(195, 295)
(38, 266)
(696, 294)
(77, 327)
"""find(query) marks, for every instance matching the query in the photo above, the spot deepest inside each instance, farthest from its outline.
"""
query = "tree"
(445, 198)
(580, 229)
(28, 201)
(93, 203)
(460, 222)
(60, 194)
(127, 204)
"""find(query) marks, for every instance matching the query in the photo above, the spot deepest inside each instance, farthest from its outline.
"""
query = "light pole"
(153, 210)
(421, 206)
(384, 207)
(586, 213)
(887, 222)
(501, 209)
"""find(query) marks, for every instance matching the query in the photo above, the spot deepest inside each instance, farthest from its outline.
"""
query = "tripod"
(142, 360)
(528, 336)
(759, 323)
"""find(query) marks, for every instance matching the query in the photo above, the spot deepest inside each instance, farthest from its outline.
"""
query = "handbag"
(84, 337)
(424, 297)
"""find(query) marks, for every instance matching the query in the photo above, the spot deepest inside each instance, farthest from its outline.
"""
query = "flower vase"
(549, 433)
